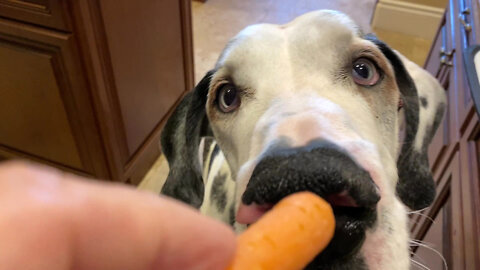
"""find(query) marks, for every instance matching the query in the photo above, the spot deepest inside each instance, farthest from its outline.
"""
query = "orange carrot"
(287, 237)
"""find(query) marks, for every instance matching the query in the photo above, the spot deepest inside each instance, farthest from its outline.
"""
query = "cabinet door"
(464, 27)
(470, 162)
(438, 233)
(45, 111)
(145, 46)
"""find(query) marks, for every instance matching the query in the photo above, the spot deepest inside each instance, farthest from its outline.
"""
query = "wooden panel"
(145, 53)
(470, 154)
(94, 44)
(463, 102)
(441, 225)
(33, 117)
(47, 105)
(49, 13)
(475, 18)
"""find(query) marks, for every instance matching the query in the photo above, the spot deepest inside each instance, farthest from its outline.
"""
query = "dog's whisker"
(417, 211)
(424, 244)
(419, 241)
(425, 216)
(420, 265)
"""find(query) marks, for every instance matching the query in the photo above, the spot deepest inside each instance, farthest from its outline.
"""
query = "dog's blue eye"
(364, 72)
(227, 98)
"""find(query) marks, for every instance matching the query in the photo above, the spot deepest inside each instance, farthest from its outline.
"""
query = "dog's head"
(315, 105)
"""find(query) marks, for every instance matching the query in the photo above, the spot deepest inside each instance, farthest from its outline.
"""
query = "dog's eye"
(227, 98)
(364, 72)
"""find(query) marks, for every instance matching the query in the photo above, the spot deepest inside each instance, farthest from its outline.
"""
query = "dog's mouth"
(249, 214)
(352, 219)
(327, 172)
(351, 222)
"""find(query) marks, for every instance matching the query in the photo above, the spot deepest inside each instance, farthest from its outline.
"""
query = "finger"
(114, 227)
(147, 231)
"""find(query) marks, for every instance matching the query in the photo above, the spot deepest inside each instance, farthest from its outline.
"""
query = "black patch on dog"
(208, 141)
(218, 191)
(215, 151)
(412, 199)
(180, 139)
(232, 215)
(424, 102)
(415, 186)
(433, 128)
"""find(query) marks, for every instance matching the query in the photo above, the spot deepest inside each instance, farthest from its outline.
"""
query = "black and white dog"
(310, 105)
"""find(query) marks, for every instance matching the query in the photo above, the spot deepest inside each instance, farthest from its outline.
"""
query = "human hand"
(57, 221)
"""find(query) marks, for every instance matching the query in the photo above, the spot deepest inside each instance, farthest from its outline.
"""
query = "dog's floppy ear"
(180, 140)
(424, 105)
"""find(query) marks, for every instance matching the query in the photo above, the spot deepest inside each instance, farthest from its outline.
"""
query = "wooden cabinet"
(441, 53)
(86, 85)
(441, 228)
(462, 13)
(451, 225)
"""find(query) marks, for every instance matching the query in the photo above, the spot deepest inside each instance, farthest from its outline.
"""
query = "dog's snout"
(323, 168)
(320, 167)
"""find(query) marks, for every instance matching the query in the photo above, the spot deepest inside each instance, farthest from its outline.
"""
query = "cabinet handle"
(444, 53)
(461, 17)
(445, 62)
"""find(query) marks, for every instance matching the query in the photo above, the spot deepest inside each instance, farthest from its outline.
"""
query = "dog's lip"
(249, 214)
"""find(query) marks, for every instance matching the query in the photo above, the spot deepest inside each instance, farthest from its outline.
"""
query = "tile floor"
(216, 21)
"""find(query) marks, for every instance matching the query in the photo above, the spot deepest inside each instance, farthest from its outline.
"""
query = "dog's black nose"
(322, 168)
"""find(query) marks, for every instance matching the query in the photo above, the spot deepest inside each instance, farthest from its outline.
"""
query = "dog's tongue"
(248, 214)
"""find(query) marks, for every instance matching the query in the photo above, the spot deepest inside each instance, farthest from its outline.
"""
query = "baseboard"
(407, 18)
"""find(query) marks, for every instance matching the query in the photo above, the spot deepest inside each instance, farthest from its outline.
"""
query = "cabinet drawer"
(48, 13)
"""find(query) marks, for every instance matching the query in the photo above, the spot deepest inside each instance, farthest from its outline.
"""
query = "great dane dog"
(314, 105)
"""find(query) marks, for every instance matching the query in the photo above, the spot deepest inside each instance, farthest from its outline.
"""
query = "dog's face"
(314, 105)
